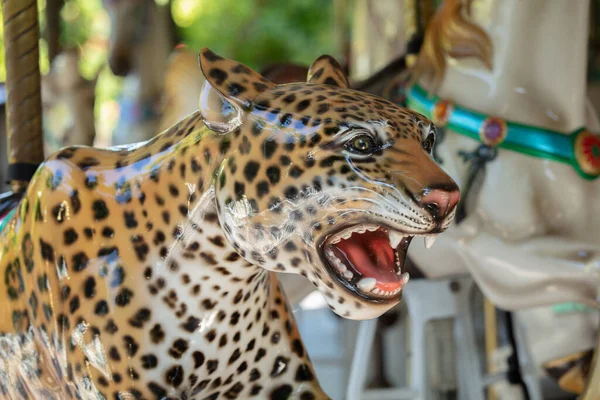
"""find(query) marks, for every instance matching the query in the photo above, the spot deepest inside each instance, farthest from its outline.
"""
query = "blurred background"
(256, 33)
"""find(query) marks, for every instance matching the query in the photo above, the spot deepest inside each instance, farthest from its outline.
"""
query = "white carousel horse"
(141, 42)
(532, 233)
(68, 104)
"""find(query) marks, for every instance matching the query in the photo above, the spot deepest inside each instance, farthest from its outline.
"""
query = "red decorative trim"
(587, 152)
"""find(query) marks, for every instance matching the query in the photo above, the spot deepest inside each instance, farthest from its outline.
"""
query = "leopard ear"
(229, 89)
(327, 71)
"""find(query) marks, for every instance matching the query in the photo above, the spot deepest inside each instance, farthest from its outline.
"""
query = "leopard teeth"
(405, 276)
(366, 284)
(386, 293)
(429, 240)
(347, 234)
(395, 239)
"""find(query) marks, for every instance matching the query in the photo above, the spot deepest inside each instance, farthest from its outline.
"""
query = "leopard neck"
(201, 286)
(189, 161)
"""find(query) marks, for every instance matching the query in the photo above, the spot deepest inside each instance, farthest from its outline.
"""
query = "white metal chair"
(427, 301)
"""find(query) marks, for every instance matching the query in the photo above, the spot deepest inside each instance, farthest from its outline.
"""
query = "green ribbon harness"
(580, 149)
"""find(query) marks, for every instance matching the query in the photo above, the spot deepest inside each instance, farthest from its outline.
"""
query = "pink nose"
(440, 202)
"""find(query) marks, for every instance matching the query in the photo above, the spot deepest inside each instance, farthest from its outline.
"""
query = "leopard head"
(325, 181)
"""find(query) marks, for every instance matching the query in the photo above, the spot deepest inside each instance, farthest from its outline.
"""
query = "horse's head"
(451, 34)
(128, 21)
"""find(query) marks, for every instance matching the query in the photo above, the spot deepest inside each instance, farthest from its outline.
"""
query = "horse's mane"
(450, 33)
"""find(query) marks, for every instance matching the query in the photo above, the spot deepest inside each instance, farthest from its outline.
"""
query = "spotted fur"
(146, 272)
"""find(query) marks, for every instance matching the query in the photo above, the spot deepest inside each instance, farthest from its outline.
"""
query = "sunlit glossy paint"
(147, 271)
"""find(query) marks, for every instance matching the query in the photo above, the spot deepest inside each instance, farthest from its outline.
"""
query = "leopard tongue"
(371, 255)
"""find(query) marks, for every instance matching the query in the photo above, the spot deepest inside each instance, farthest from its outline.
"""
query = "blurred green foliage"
(255, 32)
(258, 32)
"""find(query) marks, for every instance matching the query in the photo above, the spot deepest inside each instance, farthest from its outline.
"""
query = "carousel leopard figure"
(147, 272)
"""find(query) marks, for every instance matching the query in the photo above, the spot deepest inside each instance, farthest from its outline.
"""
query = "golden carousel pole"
(23, 94)
(592, 387)
(592, 390)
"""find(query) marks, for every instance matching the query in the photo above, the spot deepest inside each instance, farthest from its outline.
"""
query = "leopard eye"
(429, 142)
(361, 144)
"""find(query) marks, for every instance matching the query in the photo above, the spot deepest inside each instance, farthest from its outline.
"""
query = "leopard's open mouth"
(369, 259)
